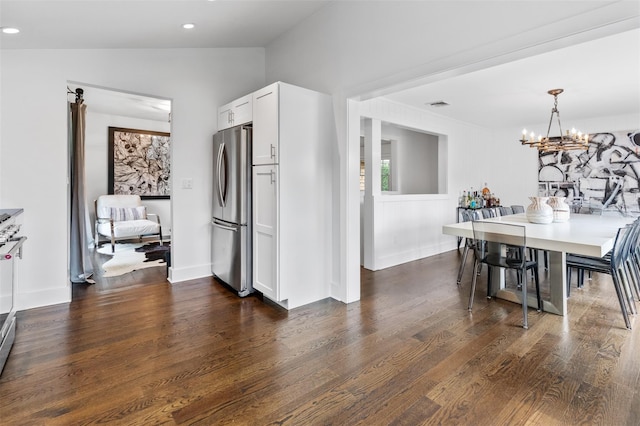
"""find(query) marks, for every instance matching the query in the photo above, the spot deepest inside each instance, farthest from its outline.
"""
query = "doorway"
(105, 108)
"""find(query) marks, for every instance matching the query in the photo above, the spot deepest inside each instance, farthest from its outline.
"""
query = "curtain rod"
(79, 93)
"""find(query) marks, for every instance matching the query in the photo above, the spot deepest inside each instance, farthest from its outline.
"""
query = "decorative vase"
(561, 211)
(539, 211)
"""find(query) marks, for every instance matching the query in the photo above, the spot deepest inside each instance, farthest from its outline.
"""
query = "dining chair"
(467, 216)
(488, 212)
(612, 264)
(634, 255)
(532, 252)
(505, 210)
(487, 234)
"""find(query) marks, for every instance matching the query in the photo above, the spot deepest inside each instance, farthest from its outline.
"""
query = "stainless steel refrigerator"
(231, 222)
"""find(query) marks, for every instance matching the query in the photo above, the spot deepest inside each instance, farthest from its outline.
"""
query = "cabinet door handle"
(273, 151)
(262, 96)
(273, 176)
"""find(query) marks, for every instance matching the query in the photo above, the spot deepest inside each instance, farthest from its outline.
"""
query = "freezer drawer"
(231, 256)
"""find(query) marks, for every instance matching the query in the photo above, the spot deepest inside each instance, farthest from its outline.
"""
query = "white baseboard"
(177, 275)
(47, 297)
(411, 255)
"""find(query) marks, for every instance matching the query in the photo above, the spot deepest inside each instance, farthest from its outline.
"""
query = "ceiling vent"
(438, 104)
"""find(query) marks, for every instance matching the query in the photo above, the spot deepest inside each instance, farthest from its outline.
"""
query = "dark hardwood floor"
(138, 350)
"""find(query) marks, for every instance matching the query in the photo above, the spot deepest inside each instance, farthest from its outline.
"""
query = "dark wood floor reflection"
(139, 350)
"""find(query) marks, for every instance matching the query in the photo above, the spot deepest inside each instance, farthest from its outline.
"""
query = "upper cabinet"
(266, 126)
(235, 113)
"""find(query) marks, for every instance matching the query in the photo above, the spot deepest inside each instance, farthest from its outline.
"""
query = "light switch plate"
(187, 183)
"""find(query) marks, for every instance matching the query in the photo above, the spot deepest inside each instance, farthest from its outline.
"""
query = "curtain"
(80, 266)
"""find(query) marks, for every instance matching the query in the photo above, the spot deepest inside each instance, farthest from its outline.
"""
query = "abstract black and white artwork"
(605, 176)
(139, 163)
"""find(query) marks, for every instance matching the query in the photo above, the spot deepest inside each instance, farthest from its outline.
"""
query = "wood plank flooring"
(137, 350)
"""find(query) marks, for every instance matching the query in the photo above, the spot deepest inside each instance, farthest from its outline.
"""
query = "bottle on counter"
(486, 192)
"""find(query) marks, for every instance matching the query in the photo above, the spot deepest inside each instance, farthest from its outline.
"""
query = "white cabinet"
(265, 227)
(293, 136)
(266, 125)
(235, 113)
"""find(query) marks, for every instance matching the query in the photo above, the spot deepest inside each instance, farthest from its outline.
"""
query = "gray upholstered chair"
(124, 217)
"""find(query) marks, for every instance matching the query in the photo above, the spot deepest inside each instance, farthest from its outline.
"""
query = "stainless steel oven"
(10, 250)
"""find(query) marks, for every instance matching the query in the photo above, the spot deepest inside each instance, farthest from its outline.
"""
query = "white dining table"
(586, 234)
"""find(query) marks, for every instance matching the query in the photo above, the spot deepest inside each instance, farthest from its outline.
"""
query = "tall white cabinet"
(293, 137)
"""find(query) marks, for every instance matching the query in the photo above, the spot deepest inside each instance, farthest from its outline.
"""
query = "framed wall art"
(605, 176)
(139, 163)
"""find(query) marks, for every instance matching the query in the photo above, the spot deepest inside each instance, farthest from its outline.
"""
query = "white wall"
(33, 141)
(409, 227)
(96, 158)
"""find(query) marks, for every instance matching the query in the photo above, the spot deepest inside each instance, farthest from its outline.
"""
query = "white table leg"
(557, 303)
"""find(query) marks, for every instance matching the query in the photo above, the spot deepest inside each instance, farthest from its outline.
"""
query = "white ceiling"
(600, 78)
(113, 24)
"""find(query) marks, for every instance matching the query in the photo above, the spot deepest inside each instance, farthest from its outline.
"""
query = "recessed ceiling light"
(9, 30)
(188, 26)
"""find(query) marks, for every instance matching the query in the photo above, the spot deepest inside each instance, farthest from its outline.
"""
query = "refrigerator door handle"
(222, 192)
(227, 228)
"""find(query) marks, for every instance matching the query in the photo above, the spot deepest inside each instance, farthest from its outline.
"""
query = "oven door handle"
(16, 248)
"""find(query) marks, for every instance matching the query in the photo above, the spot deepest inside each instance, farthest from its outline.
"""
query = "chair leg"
(568, 281)
(580, 278)
(476, 267)
(537, 281)
(623, 307)
(624, 284)
(525, 319)
(462, 263)
(546, 260)
(489, 276)
(632, 273)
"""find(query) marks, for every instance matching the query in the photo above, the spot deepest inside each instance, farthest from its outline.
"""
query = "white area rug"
(125, 259)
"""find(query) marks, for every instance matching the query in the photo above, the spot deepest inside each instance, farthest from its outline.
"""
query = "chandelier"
(565, 142)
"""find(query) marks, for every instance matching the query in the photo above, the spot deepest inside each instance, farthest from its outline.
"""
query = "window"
(385, 179)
